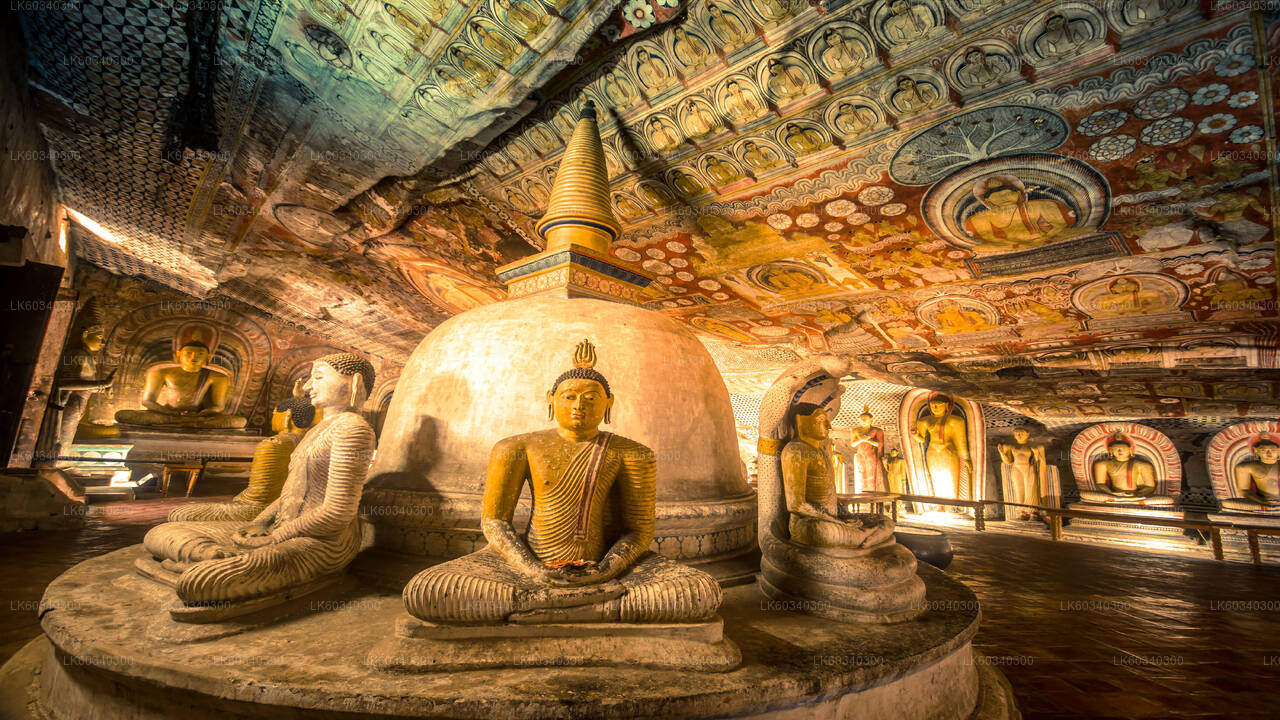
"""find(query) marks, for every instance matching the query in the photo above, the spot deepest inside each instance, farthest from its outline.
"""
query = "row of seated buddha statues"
(221, 565)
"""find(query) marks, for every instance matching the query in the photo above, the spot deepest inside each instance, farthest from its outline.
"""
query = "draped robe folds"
(607, 486)
(314, 524)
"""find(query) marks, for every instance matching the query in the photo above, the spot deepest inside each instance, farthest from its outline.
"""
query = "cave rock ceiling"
(1062, 207)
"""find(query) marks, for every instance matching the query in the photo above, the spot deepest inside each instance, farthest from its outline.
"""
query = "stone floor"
(1079, 630)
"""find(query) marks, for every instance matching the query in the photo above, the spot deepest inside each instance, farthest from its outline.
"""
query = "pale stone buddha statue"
(810, 489)
(1024, 472)
(190, 394)
(269, 469)
(585, 557)
(308, 535)
(1258, 481)
(945, 441)
(1121, 477)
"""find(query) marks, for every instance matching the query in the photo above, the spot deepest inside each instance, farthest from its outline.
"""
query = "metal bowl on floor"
(927, 544)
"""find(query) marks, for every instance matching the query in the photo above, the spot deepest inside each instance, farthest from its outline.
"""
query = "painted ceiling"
(1064, 208)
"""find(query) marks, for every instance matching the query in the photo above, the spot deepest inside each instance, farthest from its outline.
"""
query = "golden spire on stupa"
(579, 212)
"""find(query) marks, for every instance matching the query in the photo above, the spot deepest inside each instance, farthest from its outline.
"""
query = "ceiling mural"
(987, 198)
(1059, 208)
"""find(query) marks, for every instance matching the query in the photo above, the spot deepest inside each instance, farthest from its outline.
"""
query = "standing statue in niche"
(1123, 477)
(1258, 481)
(867, 441)
(586, 555)
(304, 538)
(188, 394)
(1024, 468)
(78, 380)
(270, 467)
(944, 440)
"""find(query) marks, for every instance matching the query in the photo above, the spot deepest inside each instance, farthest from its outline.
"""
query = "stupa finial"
(579, 212)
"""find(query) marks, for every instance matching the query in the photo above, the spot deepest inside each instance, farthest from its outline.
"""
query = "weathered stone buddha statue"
(586, 555)
(848, 568)
(1122, 477)
(188, 394)
(269, 469)
(300, 541)
(811, 491)
(1257, 480)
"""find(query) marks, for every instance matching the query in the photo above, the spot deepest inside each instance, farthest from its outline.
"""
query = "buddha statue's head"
(865, 418)
(92, 338)
(580, 398)
(810, 422)
(1120, 448)
(193, 356)
(1021, 436)
(339, 381)
(894, 453)
(939, 405)
(1055, 22)
(293, 414)
(974, 56)
(1267, 450)
(906, 83)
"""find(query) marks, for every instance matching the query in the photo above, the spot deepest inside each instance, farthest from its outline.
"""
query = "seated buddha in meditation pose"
(270, 466)
(190, 394)
(810, 489)
(1122, 477)
(1258, 481)
(310, 532)
(586, 556)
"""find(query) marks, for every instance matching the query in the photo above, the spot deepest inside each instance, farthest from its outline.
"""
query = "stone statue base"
(419, 646)
(876, 584)
(1163, 507)
(167, 573)
(104, 656)
(1090, 496)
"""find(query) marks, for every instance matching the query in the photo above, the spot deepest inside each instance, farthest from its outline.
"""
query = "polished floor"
(1081, 631)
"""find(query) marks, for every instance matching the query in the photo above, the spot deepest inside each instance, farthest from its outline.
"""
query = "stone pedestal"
(101, 659)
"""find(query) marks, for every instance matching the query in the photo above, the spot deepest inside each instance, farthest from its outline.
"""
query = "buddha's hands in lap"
(252, 536)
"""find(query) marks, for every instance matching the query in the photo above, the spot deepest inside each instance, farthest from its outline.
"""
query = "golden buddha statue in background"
(810, 490)
(895, 472)
(1123, 477)
(945, 440)
(308, 535)
(189, 394)
(269, 469)
(586, 556)
(79, 380)
(1258, 481)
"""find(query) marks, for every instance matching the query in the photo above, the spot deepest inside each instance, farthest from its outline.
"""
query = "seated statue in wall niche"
(1257, 480)
(308, 535)
(810, 489)
(269, 469)
(1123, 477)
(190, 394)
(586, 554)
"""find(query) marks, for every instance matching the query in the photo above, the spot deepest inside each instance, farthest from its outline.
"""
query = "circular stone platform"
(111, 652)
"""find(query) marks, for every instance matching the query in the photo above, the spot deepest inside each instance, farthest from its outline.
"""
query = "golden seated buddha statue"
(188, 394)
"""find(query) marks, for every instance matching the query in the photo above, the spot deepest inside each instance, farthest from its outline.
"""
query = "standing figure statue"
(895, 472)
(944, 440)
(270, 467)
(1024, 469)
(79, 379)
(300, 541)
(867, 441)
